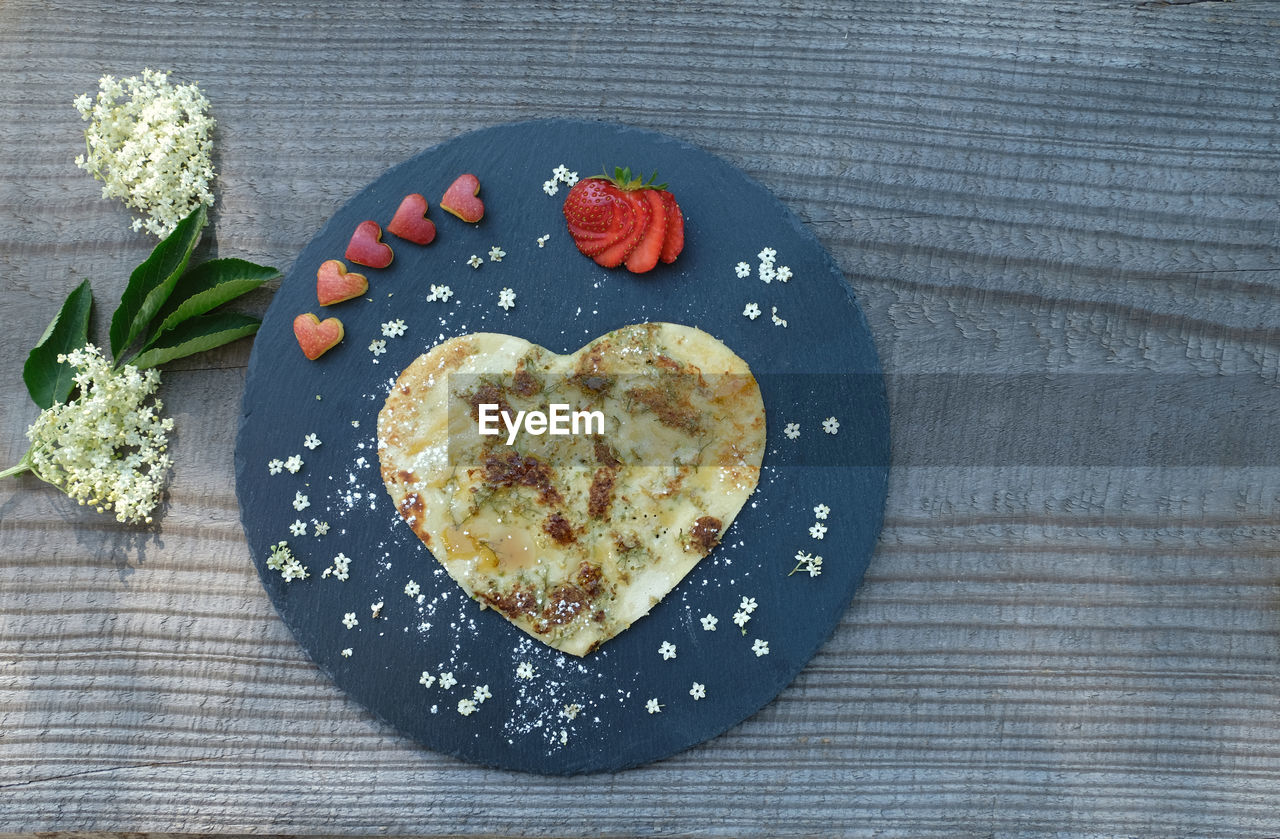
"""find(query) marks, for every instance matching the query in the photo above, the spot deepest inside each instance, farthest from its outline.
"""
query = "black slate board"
(823, 363)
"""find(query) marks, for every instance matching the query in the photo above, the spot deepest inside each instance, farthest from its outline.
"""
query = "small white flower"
(275, 466)
(496, 253)
(298, 528)
(347, 652)
(311, 441)
(524, 670)
(550, 187)
(782, 274)
(283, 560)
(767, 255)
(818, 530)
(506, 298)
(760, 647)
(447, 681)
(831, 425)
(559, 173)
(748, 605)
(475, 261)
(792, 430)
(300, 502)
(652, 706)
(320, 528)
(481, 693)
(466, 707)
(440, 293)
(376, 608)
(742, 269)
(807, 562)
(777, 321)
(293, 464)
(377, 346)
(426, 679)
(394, 328)
(751, 310)
(766, 272)
(571, 711)
(412, 589)
(709, 622)
(349, 620)
(740, 618)
(341, 567)
(570, 179)
(667, 651)
(698, 691)
(542, 240)
(821, 511)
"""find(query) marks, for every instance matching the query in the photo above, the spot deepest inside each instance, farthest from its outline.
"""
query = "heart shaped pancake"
(573, 536)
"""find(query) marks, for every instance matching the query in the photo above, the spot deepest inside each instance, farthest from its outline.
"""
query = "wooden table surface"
(1071, 625)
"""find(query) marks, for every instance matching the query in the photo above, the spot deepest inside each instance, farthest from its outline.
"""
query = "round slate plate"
(573, 715)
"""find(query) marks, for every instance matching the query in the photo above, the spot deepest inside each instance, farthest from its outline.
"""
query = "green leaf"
(197, 334)
(49, 380)
(151, 282)
(209, 285)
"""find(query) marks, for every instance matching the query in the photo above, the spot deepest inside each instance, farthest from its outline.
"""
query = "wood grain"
(1039, 650)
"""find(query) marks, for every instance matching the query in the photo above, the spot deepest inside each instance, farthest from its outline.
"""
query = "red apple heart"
(462, 199)
(367, 248)
(335, 284)
(315, 336)
(410, 221)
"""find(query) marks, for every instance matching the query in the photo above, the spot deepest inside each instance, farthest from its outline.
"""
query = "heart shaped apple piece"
(367, 248)
(573, 536)
(315, 336)
(335, 284)
(462, 199)
(410, 221)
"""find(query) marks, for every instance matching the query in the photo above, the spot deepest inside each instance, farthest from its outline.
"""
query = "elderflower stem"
(21, 466)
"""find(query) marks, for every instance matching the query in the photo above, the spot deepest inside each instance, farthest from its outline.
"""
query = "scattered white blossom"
(570, 179)
(440, 293)
(740, 618)
(506, 298)
(821, 511)
(767, 255)
(742, 269)
(542, 240)
(475, 261)
(347, 652)
(377, 346)
(792, 430)
(496, 253)
(466, 707)
(105, 448)
(412, 588)
(818, 530)
(559, 173)
(571, 711)
(751, 310)
(777, 321)
(426, 679)
(709, 622)
(481, 693)
(766, 272)
(376, 608)
(550, 187)
(298, 528)
(283, 560)
(831, 425)
(667, 651)
(320, 528)
(275, 466)
(394, 328)
(293, 464)
(807, 562)
(447, 680)
(149, 142)
(652, 706)
(349, 620)
(300, 501)
(524, 670)
(782, 274)
(698, 691)
(748, 605)
(311, 441)
(341, 568)
(760, 647)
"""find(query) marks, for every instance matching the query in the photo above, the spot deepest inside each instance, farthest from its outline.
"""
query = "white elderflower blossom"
(283, 560)
(149, 142)
(105, 448)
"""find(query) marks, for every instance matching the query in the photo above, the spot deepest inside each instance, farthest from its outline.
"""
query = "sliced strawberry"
(647, 250)
(597, 215)
(673, 241)
(617, 253)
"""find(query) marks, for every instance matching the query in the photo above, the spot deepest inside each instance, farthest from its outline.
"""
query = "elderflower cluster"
(105, 448)
(149, 143)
